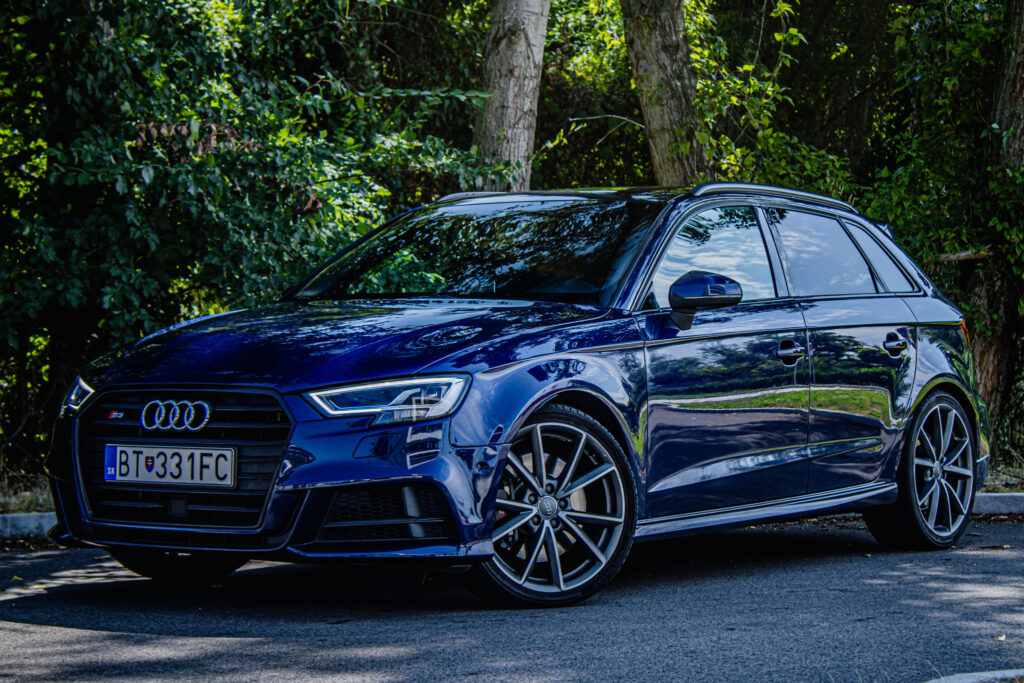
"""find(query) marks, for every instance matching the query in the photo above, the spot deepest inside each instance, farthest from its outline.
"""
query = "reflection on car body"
(522, 385)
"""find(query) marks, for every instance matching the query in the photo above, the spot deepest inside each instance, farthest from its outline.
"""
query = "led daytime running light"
(402, 407)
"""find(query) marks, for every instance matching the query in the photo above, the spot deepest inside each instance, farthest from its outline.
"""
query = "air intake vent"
(398, 514)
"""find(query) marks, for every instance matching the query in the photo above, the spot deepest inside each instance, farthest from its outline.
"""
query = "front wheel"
(936, 481)
(565, 512)
(175, 567)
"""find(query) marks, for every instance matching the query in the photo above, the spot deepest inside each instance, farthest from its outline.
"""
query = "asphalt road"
(816, 601)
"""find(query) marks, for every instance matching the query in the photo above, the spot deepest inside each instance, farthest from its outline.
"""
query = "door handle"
(894, 344)
(790, 352)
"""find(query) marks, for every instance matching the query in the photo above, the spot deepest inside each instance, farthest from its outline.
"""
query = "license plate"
(201, 465)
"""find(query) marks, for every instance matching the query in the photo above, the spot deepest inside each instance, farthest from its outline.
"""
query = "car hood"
(293, 345)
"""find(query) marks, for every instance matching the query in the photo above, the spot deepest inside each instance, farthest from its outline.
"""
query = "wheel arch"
(951, 386)
(597, 407)
(973, 406)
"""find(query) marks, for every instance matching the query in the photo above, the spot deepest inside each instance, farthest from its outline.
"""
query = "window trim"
(879, 285)
(899, 266)
(782, 288)
(647, 279)
(842, 218)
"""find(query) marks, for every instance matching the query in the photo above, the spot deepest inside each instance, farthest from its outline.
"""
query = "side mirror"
(700, 290)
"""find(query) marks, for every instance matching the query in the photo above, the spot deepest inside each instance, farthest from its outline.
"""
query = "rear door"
(861, 343)
(728, 416)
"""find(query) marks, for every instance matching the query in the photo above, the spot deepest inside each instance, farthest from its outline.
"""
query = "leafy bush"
(159, 160)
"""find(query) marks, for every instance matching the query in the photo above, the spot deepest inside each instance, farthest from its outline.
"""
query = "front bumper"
(341, 490)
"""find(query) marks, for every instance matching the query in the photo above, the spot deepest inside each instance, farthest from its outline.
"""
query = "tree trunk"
(994, 290)
(660, 56)
(997, 352)
(1009, 101)
(513, 56)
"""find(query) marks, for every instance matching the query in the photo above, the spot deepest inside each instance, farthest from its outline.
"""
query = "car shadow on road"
(89, 582)
(79, 615)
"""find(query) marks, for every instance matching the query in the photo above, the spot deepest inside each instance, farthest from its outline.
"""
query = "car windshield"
(569, 249)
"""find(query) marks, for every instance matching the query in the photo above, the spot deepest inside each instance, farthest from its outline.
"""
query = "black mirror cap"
(700, 289)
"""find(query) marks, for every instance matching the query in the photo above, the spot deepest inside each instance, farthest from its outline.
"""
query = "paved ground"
(817, 601)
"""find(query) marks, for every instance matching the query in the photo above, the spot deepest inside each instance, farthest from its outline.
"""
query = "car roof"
(666, 194)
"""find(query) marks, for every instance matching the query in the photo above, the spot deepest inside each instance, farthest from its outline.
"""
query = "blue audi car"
(523, 385)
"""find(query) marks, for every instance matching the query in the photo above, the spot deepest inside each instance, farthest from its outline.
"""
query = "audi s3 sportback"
(523, 385)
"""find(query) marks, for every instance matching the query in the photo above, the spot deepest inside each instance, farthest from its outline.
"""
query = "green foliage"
(938, 181)
(589, 125)
(166, 159)
(160, 159)
(739, 104)
(946, 187)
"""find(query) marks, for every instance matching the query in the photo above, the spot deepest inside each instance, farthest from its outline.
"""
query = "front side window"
(725, 240)
(568, 249)
(819, 258)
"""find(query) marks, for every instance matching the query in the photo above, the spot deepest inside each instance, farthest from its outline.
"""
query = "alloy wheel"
(943, 470)
(560, 509)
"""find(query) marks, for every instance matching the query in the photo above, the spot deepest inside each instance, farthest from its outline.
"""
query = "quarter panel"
(944, 356)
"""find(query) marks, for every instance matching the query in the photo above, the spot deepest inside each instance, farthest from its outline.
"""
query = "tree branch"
(966, 255)
(607, 116)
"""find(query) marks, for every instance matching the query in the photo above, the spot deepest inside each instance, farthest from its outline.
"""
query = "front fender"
(500, 401)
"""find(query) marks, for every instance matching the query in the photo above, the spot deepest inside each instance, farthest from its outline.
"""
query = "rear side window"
(886, 269)
(819, 258)
(727, 241)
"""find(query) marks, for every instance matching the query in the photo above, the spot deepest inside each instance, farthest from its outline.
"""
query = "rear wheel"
(564, 515)
(175, 567)
(936, 481)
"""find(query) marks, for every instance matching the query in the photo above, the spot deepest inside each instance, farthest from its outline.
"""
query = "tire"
(582, 507)
(177, 568)
(936, 494)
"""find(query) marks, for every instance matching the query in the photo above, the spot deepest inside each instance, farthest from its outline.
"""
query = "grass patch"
(1008, 478)
(31, 495)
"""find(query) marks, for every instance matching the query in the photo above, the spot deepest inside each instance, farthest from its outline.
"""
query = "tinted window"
(885, 267)
(818, 255)
(559, 248)
(726, 241)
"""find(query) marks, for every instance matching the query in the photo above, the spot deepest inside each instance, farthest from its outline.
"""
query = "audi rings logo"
(175, 415)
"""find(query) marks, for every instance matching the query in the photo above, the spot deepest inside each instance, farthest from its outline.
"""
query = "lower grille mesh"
(403, 514)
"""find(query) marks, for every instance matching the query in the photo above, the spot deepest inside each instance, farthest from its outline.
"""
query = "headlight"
(76, 396)
(394, 401)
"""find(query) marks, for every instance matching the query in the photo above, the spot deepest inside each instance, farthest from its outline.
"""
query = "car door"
(728, 397)
(861, 343)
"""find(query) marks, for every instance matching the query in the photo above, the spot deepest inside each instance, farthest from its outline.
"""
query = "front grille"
(255, 424)
(399, 514)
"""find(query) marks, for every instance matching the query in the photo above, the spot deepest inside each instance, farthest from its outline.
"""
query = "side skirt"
(797, 506)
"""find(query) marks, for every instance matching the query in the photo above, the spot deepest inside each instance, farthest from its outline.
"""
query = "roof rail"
(771, 191)
(467, 195)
